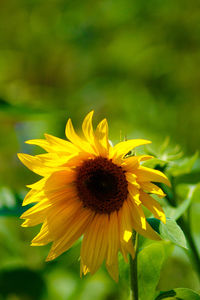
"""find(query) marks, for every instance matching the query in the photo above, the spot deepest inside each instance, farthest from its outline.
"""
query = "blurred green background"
(135, 63)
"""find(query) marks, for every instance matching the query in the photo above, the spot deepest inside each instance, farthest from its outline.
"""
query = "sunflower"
(92, 189)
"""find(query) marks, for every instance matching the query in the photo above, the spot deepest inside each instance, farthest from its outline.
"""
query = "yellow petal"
(138, 213)
(95, 243)
(152, 188)
(131, 163)
(54, 144)
(153, 206)
(113, 269)
(60, 179)
(55, 160)
(127, 235)
(134, 193)
(125, 221)
(131, 178)
(102, 138)
(53, 194)
(33, 196)
(60, 145)
(83, 269)
(136, 223)
(60, 216)
(88, 128)
(36, 209)
(41, 143)
(78, 159)
(38, 219)
(113, 238)
(125, 229)
(72, 233)
(147, 174)
(76, 140)
(34, 164)
(43, 237)
(121, 149)
(38, 185)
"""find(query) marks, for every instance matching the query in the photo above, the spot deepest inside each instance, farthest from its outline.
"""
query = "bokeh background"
(135, 63)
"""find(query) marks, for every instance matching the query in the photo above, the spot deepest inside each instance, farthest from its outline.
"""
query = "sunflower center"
(101, 185)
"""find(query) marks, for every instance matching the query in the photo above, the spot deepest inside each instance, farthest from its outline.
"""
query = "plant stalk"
(194, 252)
(185, 226)
(133, 269)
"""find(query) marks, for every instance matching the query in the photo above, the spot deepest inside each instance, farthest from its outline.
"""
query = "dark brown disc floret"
(101, 185)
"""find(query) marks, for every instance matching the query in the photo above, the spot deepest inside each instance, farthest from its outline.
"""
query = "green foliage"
(172, 232)
(179, 294)
(150, 262)
(196, 194)
(183, 166)
(187, 193)
(134, 62)
(169, 231)
(10, 203)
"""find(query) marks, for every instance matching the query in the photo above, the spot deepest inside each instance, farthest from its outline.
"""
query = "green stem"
(194, 253)
(133, 269)
(185, 226)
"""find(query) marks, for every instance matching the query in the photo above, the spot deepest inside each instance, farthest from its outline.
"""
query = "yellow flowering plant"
(92, 189)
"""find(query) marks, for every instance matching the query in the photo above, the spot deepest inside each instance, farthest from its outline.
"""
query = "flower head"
(93, 189)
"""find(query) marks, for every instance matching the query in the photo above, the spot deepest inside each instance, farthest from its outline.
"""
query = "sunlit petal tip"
(113, 271)
(146, 157)
(50, 257)
(87, 127)
(35, 244)
(163, 218)
(147, 142)
(46, 135)
(24, 224)
(90, 114)
(21, 156)
(168, 183)
(88, 117)
(23, 216)
(29, 142)
(127, 235)
(85, 270)
(162, 196)
(69, 127)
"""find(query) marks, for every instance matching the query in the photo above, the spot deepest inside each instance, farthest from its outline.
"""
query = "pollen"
(101, 185)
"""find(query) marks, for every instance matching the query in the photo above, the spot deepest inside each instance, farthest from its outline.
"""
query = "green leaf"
(175, 213)
(150, 262)
(185, 191)
(183, 166)
(169, 231)
(152, 163)
(10, 203)
(190, 178)
(7, 197)
(196, 194)
(166, 153)
(179, 294)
